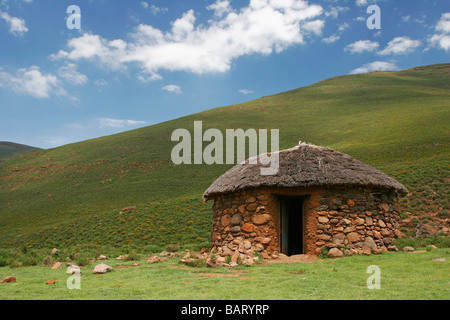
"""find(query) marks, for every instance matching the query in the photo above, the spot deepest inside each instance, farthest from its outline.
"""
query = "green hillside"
(11, 149)
(72, 195)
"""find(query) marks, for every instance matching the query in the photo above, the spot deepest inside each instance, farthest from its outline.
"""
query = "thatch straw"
(304, 166)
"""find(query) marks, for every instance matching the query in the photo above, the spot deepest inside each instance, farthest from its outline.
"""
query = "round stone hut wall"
(354, 220)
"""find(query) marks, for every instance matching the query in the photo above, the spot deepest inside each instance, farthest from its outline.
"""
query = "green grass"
(409, 276)
(10, 149)
(394, 121)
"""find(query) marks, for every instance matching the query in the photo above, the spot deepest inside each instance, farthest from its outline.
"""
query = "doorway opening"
(291, 225)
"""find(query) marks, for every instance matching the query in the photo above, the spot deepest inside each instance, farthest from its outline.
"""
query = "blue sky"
(136, 63)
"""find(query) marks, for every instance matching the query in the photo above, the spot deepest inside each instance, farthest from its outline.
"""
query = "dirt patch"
(232, 273)
(126, 267)
(299, 258)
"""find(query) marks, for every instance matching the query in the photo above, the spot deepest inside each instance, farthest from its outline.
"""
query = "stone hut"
(319, 198)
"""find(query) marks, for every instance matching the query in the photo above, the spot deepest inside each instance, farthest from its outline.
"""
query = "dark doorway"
(291, 225)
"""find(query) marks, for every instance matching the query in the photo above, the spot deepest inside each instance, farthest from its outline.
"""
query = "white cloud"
(118, 123)
(315, 26)
(444, 23)
(375, 66)
(362, 46)
(400, 45)
(153, 9)
(246, 91)
(16, 25)
(32, 82)
(331, 39)
(334, 11)
(361, 3)
(94, 47)
(442, 38)
(172, 88)
(71, 75)
(156, 10)
(220, 7)
(208, 47)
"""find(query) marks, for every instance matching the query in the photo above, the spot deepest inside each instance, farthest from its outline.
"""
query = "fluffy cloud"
(71, 75)
(400, 45)
(442, 38)
(331, 39)
(32, 82)
(362, 46)
(172, 88)
(16, 25)
(375, 66)
(245, 91)
(263, 27)
(118, 123)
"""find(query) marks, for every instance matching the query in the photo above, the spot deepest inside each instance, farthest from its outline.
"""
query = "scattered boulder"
(102, 257)
(72, 269)
(57, 265)
(9, 279)
(129, 209)
(409, 249)
(102, 268)
(155, 259)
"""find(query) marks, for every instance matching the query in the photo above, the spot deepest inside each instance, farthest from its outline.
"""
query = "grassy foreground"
(404, 276)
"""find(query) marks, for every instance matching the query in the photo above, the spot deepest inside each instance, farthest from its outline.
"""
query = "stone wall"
(357, 221)
(347, 220)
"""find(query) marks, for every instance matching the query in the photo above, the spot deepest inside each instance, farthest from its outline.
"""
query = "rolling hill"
(11, 149)
(73, 195)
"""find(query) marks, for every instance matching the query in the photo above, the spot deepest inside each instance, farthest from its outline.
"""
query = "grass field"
(404, 276)
(71, 196)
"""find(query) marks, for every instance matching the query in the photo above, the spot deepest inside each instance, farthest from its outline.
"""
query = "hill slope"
(394, 121)
(11, 149)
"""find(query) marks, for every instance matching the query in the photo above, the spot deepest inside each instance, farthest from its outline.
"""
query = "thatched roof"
(304, 166)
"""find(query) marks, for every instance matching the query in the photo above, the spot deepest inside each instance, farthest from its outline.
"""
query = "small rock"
(438, 259)
(57, 265)
(50, 282)
(9, 279)
(54, 250)
(155, 259)
(72, 269)
(102, 257)
(408, 249)
(129, 209)
(235, 219)
(335, 252)
(235, 256)
(260, 219)
(102, 268)
(353, 237)
(392, 248)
